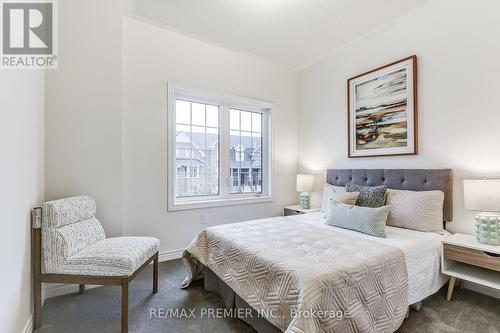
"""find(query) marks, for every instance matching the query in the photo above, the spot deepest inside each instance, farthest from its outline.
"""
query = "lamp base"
(487, 228)
(305, 200)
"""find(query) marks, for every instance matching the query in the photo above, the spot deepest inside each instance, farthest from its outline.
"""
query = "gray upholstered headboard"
(400, 179)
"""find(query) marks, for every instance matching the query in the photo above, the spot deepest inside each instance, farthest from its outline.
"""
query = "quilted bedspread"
(303, 278)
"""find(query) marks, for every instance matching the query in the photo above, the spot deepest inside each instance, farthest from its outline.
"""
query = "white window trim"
(224, 198)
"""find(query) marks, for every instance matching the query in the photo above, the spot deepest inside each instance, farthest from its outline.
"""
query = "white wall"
(22, 187)
(151, 57)
(117, 153)
(458, 50)
(83, 141)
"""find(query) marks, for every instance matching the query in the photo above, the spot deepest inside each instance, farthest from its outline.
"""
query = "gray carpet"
(98, 310)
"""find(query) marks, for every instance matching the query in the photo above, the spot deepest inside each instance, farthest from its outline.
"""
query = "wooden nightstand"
(466, 259)
(296, 210)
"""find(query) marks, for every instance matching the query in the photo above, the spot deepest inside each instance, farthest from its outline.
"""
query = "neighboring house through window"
(220, 150)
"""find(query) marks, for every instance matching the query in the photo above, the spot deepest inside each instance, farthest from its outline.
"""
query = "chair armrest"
(36, 218)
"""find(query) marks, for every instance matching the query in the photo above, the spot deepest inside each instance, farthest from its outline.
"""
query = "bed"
(296, 274)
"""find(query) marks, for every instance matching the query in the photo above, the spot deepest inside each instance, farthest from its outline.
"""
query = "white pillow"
(417, 210)
(328, 191)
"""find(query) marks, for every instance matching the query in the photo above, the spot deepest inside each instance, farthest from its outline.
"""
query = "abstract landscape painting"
(382, 110)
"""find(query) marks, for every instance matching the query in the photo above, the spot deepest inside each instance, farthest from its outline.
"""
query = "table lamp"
(304, 186)
(483, 195)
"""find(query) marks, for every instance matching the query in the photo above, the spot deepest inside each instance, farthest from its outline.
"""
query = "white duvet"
(422, 252)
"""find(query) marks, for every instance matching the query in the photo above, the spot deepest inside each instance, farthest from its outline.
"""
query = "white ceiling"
(293, 32)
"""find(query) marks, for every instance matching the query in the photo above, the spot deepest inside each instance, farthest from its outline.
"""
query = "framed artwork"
(382, 110)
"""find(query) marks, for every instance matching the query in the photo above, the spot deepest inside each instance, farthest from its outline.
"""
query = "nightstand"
(296, 210)
(465, 258)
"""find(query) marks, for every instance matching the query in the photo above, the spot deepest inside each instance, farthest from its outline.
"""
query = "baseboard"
(171, 255)
(53, 290)
(482, 289)
(28, 328)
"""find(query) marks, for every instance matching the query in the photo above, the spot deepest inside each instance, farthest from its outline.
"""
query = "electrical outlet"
(203, 219)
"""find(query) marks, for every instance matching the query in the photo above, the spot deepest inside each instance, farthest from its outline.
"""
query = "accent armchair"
(69, 246)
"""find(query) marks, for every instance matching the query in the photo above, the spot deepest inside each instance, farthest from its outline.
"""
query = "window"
(246, 142)
(219, 150)
(197, 149)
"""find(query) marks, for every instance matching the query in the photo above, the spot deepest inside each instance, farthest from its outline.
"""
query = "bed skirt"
(232, 301)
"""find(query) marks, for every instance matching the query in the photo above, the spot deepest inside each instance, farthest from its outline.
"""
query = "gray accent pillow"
(369, 196)
(367, 220)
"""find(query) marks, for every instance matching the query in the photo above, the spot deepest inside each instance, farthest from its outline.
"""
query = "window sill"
(218, 203)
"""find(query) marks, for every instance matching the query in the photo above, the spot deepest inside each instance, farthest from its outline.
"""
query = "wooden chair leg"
(37, 271)
(81, 289)
(451, 285)
(124, 313)
(37, 307)
(155, 274)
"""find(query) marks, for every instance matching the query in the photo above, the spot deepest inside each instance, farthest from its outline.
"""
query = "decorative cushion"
(80, 235)
(58, 213)
(417, 210)
(60, 243)
(369, 196)
(68, 225)
(118, 256)
(367, 220)
(328, 191)
(349, 198)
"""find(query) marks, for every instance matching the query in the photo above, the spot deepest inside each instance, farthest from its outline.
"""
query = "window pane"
(246, 120)
(183, 136)
(182, 112)
(257, 182)
(246, 139)
(234, 138)
(245, 182)
(190, 187)
(198, 135)
(235, 182)
(234, 119)
(197, 150)
(256, 122)
(212, 140)
(256, 140)
(212, 184)
(210, 161)
(250, 182)
(194, 172)
(256, 160)
(197, 158)
(198, 114)
(183, 153)
(212, 116)
(246, 153)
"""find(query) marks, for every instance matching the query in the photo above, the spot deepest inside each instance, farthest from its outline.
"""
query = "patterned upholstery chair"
(69, 246)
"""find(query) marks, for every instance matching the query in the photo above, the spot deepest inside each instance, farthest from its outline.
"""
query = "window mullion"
(224, 158)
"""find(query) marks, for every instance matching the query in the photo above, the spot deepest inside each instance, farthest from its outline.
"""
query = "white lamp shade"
(305, 183)
(482, 195)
